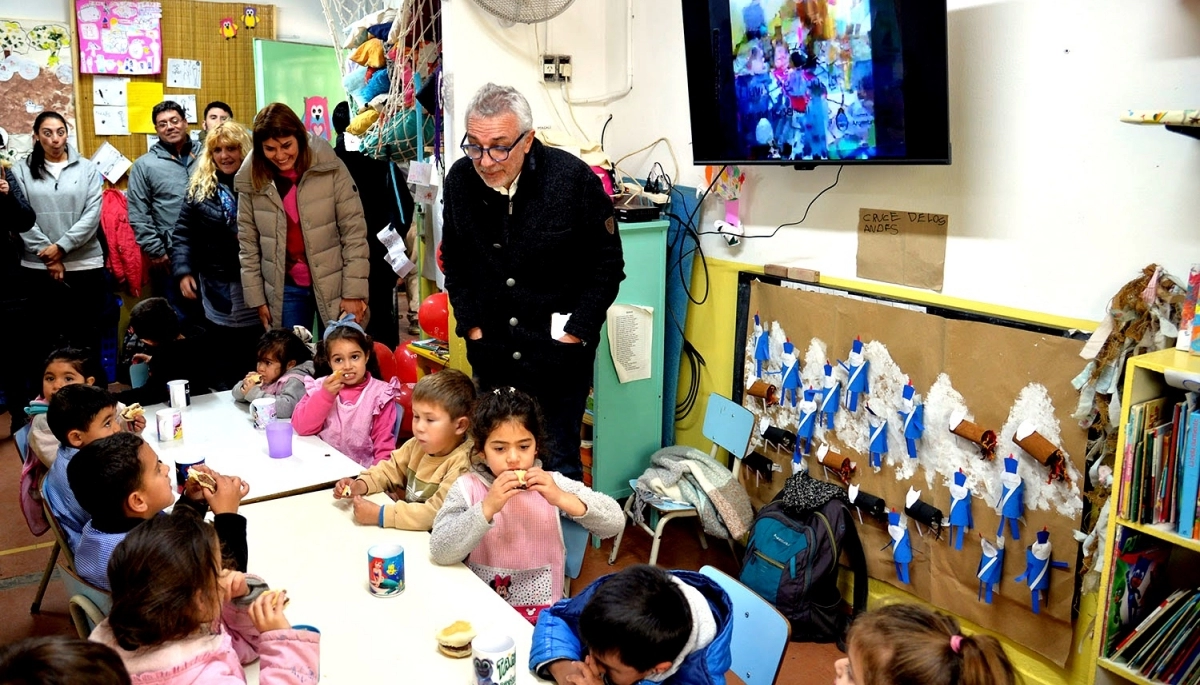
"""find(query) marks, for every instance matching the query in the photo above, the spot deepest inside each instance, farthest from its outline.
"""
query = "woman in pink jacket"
(178, 619)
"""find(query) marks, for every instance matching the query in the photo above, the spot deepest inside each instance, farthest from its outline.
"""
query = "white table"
(310, 546)
(220, 430)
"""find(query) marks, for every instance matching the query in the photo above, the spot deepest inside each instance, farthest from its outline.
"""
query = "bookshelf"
(1144, 381)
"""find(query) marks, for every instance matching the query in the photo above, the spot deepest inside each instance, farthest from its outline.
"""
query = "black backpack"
(792, 562)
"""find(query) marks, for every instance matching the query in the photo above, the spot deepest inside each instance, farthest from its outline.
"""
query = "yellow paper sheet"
(142, 97)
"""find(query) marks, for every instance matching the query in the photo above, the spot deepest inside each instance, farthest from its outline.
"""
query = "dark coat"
(554, 249)
(19, 217)
(206, 241)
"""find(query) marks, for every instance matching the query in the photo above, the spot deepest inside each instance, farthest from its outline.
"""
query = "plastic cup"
(279, 439)
(385, 570)
(139, 374)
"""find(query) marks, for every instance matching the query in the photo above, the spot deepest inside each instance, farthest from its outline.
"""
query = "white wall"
(1054, 203)
(300, 21)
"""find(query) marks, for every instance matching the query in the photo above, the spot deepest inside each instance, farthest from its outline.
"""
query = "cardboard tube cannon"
(986, 439)
(768, 392)
(1046, 452)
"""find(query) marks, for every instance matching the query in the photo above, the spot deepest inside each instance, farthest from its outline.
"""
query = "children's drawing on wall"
(119, 37)
(228, 28)
(35, 76)
(250, 17)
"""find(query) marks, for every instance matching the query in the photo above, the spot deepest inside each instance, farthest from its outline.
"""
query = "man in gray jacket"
(157, 185)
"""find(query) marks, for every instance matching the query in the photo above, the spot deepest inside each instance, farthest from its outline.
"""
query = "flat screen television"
(809, 82)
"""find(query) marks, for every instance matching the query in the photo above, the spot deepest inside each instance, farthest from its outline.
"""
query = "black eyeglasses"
(498, 153)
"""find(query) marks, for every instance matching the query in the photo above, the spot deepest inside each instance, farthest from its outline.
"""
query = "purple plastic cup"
(279, 439)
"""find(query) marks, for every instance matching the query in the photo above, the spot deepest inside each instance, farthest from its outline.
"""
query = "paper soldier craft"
(991, 567)
(790, 371)
(782, 440)
(1037, 568)
(843, 470)
(923, 512)
(763, 390)
(831, 396)
(875, 507)
(901, 544)
(879, 444)
(762, 347)
(912, 414)
(962, 427)
(807, 422)
(1045, 452)
(857, 369)
(960, 509)
(1012, 497)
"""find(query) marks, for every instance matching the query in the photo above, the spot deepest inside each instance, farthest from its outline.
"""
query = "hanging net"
(390, 56)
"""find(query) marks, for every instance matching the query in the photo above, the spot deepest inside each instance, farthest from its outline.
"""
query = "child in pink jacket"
(178, 619)
(350, 409)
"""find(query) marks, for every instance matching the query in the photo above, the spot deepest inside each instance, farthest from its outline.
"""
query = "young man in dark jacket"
(532, 260)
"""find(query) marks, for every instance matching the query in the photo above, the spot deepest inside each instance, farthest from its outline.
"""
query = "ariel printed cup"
(385, 570)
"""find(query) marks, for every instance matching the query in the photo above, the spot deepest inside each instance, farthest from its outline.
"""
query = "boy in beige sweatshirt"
(419, 474)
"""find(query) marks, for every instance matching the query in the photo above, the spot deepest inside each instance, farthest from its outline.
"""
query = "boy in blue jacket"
(643, 624)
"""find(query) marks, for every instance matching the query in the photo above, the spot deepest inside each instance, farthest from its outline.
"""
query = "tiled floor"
(23, 558)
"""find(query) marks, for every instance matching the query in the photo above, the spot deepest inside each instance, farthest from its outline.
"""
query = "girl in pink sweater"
(350, 408)
(177, 618)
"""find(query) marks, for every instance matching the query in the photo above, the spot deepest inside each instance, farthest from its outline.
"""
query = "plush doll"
(762, 347)
(1037, 568)
(790, 372)
(991, 567)
(901, 544)
(912, 413)
(960, 509)
(858, 368)
(831, 396)
(1012, 497)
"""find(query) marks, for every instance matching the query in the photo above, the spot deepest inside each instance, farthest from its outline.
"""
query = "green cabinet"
(628, 416)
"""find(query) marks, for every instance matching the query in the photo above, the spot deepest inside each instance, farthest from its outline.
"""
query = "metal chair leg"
(37, 599)
(703, 537)
(658, 531)
(612, 557)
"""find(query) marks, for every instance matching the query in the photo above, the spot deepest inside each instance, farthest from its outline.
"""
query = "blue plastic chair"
(22, 439)
(88, 604)
(729, 425)
(760, 633)
(575, 538)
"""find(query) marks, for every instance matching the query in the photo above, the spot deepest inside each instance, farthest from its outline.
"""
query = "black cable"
(606, 122)
(792, 223)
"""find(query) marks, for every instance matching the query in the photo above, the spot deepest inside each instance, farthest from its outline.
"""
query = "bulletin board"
(1000, 371)
(194, 31)
(35, 76)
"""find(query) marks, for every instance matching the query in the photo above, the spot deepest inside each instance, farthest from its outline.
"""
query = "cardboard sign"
(908, 248)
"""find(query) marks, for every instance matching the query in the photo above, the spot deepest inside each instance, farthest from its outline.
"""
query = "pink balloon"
(406, 365)
(435, 316)
(404, 399)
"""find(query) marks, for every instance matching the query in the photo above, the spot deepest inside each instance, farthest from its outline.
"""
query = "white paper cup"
(170, 424)
(180, 394)
(494, 656)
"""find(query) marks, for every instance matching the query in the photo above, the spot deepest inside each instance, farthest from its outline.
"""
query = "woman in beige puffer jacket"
(291, 170)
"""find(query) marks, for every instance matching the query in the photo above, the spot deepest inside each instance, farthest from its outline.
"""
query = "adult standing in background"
(157, 184)
(62, 265)
(301, 229)
(205, 256)
(532, 260)
(19, 217)
(215, 114)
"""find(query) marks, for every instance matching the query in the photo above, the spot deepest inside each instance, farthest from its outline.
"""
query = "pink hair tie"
(955, 643)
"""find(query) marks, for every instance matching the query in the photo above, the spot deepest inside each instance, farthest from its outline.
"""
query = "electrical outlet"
(556, 68)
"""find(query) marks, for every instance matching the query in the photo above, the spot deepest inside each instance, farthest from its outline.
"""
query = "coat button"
(496, 245)
(510, 282)
(512, 321)
(517, 355)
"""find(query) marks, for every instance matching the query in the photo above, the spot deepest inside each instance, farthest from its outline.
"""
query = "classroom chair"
(729, 425)
(22, 439)
(760, 633)
(575, 539)
(88, 604)
(61, 547)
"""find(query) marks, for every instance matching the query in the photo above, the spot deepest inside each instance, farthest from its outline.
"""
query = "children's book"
(1149, 625)
(1190, 478)
(1161, 633)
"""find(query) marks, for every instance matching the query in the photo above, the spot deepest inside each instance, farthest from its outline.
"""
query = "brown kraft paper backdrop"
(908, 248)
(989, 365)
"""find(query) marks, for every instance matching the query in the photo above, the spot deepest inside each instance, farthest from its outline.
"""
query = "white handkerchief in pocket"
(558, 325)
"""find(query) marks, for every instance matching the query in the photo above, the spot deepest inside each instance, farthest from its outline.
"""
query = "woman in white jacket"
(62, 265)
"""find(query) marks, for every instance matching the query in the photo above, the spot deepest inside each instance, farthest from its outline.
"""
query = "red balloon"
(406, 365)
(404, 399)
(387, 361)
(435, 316)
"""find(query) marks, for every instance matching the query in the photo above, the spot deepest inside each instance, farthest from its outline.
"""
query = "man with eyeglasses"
(533, 260)
(157, 185)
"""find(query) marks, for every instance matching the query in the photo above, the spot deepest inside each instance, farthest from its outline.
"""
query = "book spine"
(1190, 477)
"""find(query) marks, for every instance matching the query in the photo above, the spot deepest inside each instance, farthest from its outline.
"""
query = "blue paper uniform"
(791, 380)
(831, 397)
(762, 346)
(857, 385)
(1012, 498)
(960, 509)
(991, 569)
(808, 421)
(901, 546)
(1037, 569)
(879, 444)
(914, 427)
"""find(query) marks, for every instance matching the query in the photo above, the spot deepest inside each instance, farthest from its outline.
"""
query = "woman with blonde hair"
(302, 231)
(204, 257)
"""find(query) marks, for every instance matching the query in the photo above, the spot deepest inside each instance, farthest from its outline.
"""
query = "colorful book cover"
(1189, 309)
(1190, 478)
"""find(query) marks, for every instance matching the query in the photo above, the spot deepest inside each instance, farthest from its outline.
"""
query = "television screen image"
(817, 81)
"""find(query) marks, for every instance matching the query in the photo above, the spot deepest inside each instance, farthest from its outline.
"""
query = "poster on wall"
(119, 37)
(35, 76)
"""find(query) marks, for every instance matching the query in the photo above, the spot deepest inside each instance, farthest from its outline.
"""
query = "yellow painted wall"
(710, 328)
